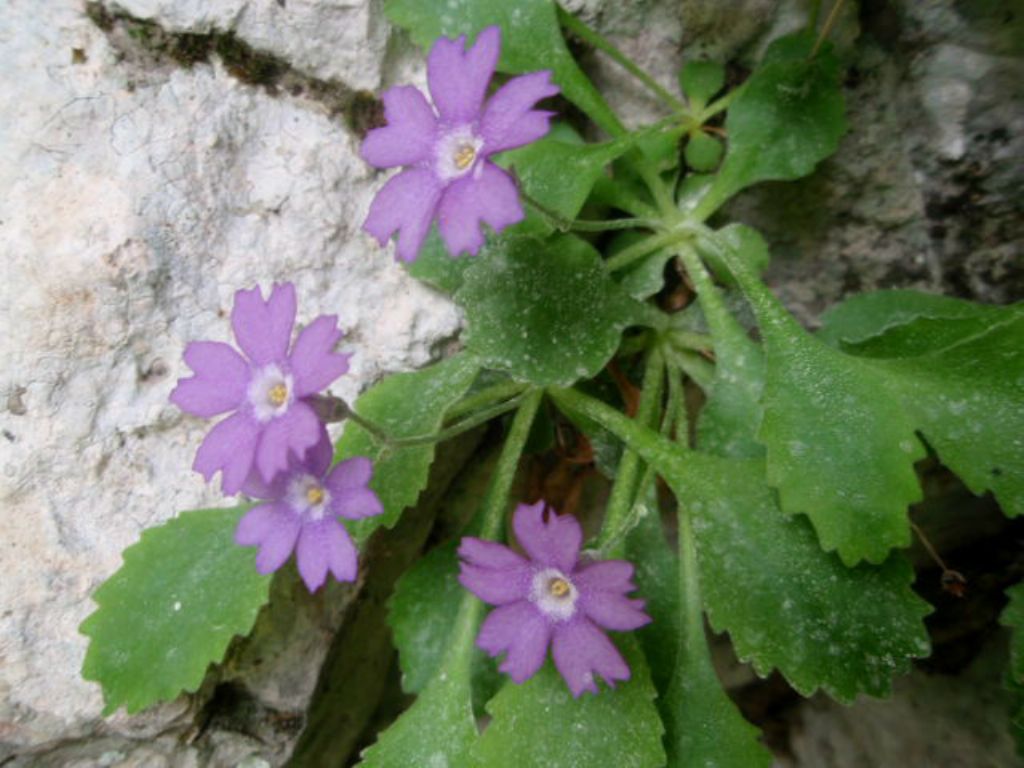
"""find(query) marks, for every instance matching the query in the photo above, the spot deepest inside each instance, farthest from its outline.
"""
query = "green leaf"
(420, 614)
(657, 581)
(840, 449)
(788, 118)
(531, 40)
(703, 153)
(1013, 617)
(559, 172)
(184, 591)
(403, 405)
(787, 604)
(958, 369)
(539, 724)
(904, 323)
(727, 424)
(435, 267)
(703, 726)
(700, 80)
(437, 730)
(545, 311)
(967, 400)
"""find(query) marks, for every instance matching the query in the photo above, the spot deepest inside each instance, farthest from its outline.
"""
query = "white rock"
(135, 204)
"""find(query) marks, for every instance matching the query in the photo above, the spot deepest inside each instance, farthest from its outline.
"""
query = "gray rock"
(139, 196)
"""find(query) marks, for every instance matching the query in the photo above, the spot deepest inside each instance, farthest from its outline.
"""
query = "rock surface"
(139, 195)
(157, 155)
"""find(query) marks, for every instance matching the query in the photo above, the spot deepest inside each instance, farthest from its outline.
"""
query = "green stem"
(585, 33)
(826, 29)
(675, 406)
(660, 193)
(492, 394)
(720, 104)
(689, 340)
(480, 417)
(652, 447)
(720, 320)
(376, 432)
(623, 494)
(693, 365)
(645, 247)
(492, 515)
(563, 224)
(692, 641)
(767, 308)
(674, 413)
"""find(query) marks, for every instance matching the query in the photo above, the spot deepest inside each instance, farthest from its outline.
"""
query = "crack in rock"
(147, 43)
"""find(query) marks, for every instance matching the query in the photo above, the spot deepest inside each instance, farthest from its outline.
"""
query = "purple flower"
(301, 513)
(551, 598)
(265, 389)
(449, 176)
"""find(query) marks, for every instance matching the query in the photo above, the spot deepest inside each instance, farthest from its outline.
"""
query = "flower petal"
(220, 381)
(406, 205)
(351, 473)
(612, 610)
(489, 554)
(278, 542)
(582, 651)
(317, 460)
(342, 556)
(608, 575)
(487, 195)
(259, 523)
(408, 137)
(356, 503)
(293, 432)
(264, 329)
(509, 119)
(311, 556)
(555, 543)
(313, 361)
(229, 448)
(458, 78)
(496, 586)
(521, 630)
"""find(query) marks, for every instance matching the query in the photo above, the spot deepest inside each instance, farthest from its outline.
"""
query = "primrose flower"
(552, 597)
(449, 176)
(264, 390)
(301, 511)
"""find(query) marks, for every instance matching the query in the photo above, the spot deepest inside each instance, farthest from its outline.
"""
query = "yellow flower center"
(315, 495)
(464, 156)
(559, 587)
(277, 395)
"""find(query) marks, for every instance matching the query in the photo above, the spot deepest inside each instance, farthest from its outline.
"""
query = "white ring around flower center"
(270, 392)
(308, 497)
(554, 593)
(457, 153)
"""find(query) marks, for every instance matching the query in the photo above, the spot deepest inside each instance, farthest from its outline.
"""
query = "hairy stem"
(645, 247)
(623, 496)
(496, 392)
(563, 224)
